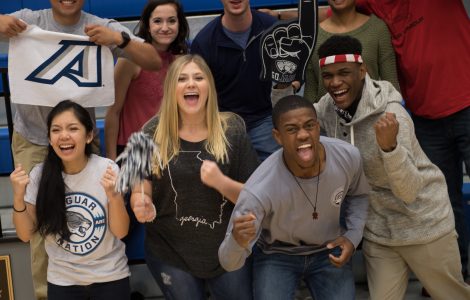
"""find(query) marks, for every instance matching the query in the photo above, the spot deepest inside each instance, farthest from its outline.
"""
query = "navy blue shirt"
(236, 70)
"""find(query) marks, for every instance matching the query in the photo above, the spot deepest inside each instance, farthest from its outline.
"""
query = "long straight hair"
(50, 201)
(179, 45)
(166, 134)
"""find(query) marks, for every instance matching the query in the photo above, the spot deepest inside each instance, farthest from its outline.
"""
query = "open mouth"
(305, 152)
(340, 95)
(191, 98)
(66, 148)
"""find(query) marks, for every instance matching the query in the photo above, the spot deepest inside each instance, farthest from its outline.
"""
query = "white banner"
(47, 67)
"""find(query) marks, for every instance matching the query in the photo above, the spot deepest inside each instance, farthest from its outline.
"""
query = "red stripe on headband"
(339, 58)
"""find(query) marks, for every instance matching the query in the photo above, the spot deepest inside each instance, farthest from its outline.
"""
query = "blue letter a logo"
(80, 61)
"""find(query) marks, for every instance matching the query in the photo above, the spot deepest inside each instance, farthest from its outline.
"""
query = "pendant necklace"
(314, 206)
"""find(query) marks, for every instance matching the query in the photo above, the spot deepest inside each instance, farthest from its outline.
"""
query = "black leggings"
(115, 290)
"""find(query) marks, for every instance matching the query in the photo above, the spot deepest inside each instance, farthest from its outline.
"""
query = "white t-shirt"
(92, 254)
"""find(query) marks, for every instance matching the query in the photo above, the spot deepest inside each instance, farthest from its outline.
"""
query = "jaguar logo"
(77, 223)
(86, 220)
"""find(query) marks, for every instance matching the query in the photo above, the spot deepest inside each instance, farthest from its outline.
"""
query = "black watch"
(125, 39)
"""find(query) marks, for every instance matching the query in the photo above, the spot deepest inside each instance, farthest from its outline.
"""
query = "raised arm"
(117, 214)
(213, 177)
(24, 214)
(242, 165)
(395, 136)
(124, 72)
(242, 233)
(142, 203)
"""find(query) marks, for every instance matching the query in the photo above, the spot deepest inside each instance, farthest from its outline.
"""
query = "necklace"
(314, 206)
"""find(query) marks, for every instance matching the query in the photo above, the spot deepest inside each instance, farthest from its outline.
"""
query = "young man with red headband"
(410, 223)
(431, 40)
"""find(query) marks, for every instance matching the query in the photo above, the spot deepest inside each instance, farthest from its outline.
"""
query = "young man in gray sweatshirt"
(290, 207)
(410, 223)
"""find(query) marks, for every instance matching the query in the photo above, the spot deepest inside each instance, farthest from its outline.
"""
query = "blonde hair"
(166, 134)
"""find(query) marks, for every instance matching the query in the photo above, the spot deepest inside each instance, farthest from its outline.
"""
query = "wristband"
(125, 40)
(19, 211)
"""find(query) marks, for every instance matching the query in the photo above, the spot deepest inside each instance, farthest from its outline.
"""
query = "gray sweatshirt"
(284, 222)
(409, 203)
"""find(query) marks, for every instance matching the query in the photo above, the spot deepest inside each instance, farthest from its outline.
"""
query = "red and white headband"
(339, 58)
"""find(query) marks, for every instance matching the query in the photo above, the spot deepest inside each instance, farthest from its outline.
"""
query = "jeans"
(116, 290)
(446, 142)
(276, 276)
(262, 139)
(177, 284)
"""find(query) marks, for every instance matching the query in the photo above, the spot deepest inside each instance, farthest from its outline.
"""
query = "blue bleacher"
(6, 163)
(132, 8)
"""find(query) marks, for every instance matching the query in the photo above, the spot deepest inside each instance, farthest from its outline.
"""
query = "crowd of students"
(246, 199)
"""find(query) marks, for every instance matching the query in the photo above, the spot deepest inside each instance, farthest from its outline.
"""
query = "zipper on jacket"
(249, 42)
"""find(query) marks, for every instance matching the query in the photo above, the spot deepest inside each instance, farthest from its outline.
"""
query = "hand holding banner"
(60, 66)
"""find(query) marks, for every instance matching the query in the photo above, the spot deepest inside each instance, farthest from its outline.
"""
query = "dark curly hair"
(339, 44)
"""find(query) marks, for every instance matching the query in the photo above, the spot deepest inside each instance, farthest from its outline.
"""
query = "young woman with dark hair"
(139, 92)
(82, 221)
(178, 45)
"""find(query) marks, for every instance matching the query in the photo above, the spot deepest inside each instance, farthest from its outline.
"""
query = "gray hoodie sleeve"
(401, 164)
(232, 256)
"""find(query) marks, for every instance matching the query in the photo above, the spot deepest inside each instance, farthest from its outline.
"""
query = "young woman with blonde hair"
(203, 159)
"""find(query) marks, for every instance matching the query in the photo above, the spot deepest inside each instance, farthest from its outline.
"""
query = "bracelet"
(19, 211)
(279, 15)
